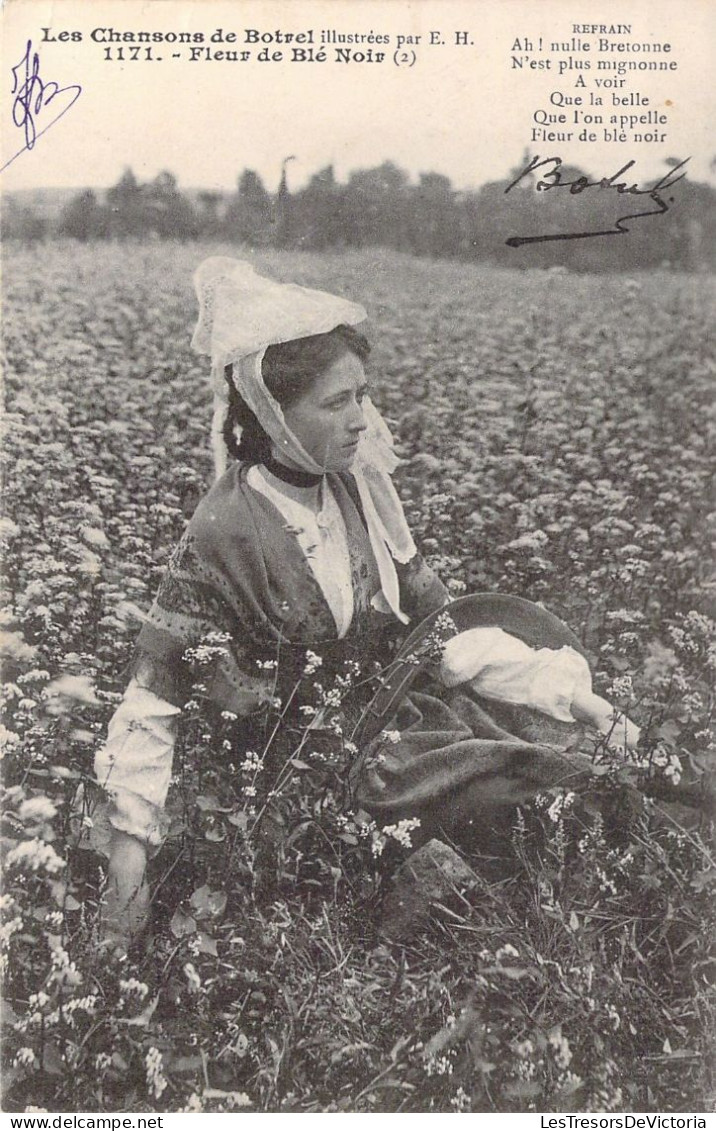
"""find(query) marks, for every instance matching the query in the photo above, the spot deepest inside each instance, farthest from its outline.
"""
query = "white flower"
(532, 540)
(391, 736)
(8, 528)
(35, 855)
(192, 978)
(63, 970)
(673, 770)
(561, 1050)
(456, 586)
(461, 1101)
(439, 1066)
(38, 1000)
(313, 663)
(129, 986)
(37, 809)
(621, 687)
(506, 951)
(232, 1099)
(8, 740)
(8, 929)
(193, 1104)
(26, 1056)
(94, 537)
(252, 763)
(560, 805)
(605, 884)
(156, 1081)
(77, 687)
(524, 1049)
(613, 1016)
(400, 832)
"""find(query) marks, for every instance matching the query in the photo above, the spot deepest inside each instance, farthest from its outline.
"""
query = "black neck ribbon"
(294, 476)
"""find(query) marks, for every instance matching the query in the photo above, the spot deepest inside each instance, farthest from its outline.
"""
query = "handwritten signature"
(33, 98)
(552, 179)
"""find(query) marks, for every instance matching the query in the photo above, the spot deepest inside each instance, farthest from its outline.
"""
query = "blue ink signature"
(553, 179)
(32, 96)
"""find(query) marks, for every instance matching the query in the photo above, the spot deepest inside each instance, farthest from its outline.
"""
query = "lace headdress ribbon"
(240, 315)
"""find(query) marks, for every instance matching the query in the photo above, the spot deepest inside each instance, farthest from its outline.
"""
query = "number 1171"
(128, 54)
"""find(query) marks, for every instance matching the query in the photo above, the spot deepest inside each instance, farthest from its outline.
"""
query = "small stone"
(431, 875)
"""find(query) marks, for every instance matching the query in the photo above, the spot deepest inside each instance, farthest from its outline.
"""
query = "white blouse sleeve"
(135, 764)
(499, 666)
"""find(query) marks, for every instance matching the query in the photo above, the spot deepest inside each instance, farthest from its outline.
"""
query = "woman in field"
(301, 555)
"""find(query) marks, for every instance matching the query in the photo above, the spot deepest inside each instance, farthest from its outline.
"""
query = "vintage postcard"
(357, 635)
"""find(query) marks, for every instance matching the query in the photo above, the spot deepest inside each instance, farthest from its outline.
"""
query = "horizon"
(342, 180)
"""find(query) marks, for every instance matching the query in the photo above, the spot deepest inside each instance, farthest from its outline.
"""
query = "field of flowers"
(555, 432)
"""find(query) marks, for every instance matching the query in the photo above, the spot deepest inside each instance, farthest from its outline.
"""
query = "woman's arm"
(126, 904)
(556, 682)
(600, 714)
(134, 768)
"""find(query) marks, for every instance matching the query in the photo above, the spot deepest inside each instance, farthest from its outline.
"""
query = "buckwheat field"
(555, 433)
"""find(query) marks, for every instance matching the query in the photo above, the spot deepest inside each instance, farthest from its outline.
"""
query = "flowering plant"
(555, 451)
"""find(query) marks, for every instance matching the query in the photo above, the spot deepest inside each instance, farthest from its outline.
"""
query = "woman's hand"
(126, 906)
(599, 713)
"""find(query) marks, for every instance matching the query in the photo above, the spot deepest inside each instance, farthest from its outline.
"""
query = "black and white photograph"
(358, 645)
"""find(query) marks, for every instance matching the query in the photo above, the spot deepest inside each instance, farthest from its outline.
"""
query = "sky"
(461, 109)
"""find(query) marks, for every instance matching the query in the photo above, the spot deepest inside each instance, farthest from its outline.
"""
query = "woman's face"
(328, 419)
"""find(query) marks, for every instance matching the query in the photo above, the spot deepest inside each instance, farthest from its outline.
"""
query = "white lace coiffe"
(241, 313)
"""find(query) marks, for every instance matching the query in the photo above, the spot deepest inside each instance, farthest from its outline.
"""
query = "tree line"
(382, 207)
